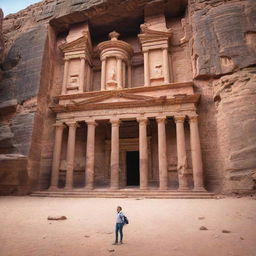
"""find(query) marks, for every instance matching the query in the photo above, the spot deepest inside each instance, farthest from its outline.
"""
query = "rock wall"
(235, 97)
(218, 36)
(223, 46)
(1, 42)
(224, 36)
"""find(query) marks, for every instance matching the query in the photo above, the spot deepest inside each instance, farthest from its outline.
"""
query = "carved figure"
(182, 167)
(158, 71)
(113, 75)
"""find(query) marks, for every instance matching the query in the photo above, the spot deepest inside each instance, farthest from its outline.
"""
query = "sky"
(13, 6)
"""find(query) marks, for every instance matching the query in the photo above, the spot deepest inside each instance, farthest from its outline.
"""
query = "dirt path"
(159, 227)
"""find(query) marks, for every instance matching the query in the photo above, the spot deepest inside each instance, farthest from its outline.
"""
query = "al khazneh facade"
(121, 120)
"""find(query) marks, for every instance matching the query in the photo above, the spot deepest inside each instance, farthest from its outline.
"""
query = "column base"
(88, 187)
(67, 188)
(144, 188)
(163, 188)
(114, 188)
(199, 189)
(53, 188)
(183, 189)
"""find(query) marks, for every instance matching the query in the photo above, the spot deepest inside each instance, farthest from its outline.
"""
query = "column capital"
(145, 51)
(72, 124)
(193, 118)
(179, 119)
(66, 58)
(59, 125)
(115, 122)
(160, 119)
(91, 122)
(142, 120)
(103, 58)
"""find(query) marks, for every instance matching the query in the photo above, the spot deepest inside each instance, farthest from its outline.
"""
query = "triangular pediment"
(82, 43)
(113, 97)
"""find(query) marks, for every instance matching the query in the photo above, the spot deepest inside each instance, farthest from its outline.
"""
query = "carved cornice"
(126, 90)
(128, 104)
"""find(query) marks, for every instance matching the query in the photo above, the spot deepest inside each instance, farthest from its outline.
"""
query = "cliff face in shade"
(217, 36)
(1, 41)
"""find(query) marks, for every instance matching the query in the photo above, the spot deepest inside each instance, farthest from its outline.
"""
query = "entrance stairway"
(125, 193)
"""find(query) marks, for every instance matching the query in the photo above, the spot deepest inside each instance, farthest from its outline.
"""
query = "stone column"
(162, 157)
(166, 66)
(143, 147)
(181, 153)
(88, 77)
(196, 154)
(65, 77)
(82, 72)
(103, 74)
(129, 75)
(146, 68)
(56, 155)
(70, 154)
(114, 164)
(90, 152)
(123, 74)
(119, 73)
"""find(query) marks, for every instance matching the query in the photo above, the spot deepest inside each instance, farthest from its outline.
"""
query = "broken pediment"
(152, 35)
(80, 44)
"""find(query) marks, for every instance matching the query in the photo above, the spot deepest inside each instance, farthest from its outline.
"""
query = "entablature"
(171, 94)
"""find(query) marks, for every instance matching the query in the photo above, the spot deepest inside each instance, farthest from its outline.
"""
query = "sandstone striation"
(234, 96)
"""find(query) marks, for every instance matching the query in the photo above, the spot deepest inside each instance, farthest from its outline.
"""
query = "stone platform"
(125, 193)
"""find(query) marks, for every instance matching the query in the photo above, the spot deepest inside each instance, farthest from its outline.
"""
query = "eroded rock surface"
(224, 36)
(235, 97)
(1, 41)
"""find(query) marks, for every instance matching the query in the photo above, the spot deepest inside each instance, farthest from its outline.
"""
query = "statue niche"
(115, 58)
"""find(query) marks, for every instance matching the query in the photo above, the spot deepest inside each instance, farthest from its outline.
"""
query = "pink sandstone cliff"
(214, 45)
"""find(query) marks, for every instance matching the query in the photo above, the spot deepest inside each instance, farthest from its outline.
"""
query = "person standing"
(119, 225)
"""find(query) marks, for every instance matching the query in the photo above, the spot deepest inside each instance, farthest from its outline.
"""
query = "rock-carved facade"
(119, 103)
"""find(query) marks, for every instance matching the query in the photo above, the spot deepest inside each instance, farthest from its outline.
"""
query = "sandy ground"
(157, 227)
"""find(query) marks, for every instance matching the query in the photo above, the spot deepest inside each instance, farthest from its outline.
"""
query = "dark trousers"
(119, 228)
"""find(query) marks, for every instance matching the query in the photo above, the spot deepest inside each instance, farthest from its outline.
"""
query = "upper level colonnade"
(116, 58)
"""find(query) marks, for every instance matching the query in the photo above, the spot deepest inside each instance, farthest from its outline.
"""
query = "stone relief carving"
(158, 71)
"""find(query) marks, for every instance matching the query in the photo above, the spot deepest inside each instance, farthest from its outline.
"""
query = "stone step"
(124, 194)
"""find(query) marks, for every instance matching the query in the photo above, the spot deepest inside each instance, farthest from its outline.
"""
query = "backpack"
(125, 220)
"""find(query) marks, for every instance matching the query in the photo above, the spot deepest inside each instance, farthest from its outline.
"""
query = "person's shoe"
(115, 243)
(121, 242)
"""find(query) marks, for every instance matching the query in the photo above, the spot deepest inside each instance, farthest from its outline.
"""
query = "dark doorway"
(133, 168)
